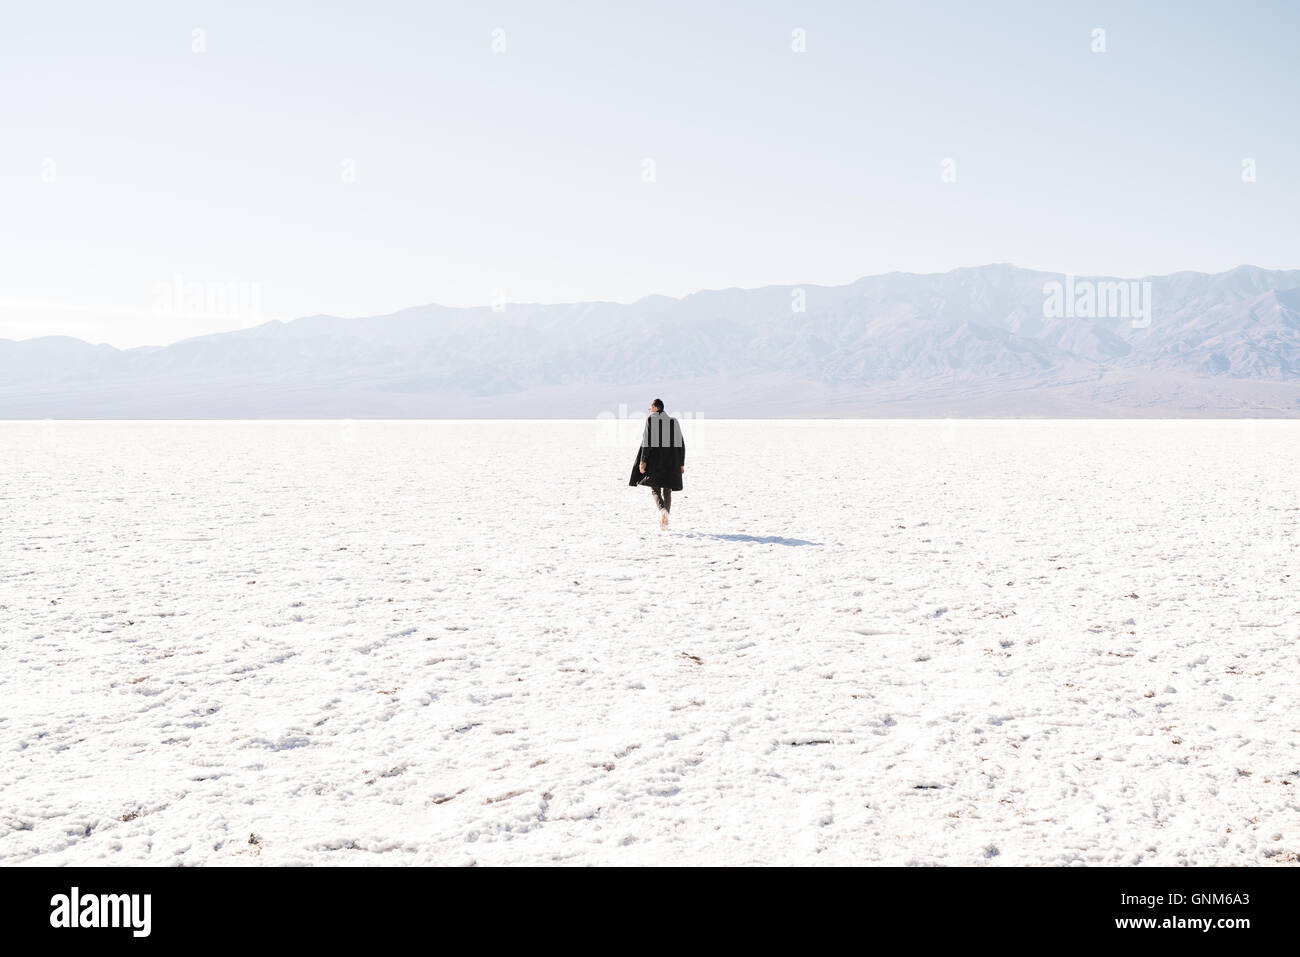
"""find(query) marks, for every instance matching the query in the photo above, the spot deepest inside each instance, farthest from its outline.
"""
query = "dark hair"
(658, 404)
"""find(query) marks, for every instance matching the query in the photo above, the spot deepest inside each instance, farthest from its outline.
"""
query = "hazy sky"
(359, 158)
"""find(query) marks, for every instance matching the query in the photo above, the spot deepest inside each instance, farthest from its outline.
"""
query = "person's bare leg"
(661, 504)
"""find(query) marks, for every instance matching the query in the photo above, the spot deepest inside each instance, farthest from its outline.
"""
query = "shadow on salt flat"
(765, 539)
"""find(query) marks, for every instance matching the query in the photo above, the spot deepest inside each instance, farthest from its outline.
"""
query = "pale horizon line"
(273, 319)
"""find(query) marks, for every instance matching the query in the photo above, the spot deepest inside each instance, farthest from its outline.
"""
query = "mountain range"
(980, 341)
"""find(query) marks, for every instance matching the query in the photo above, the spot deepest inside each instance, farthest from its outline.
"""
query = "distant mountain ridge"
(972, 341)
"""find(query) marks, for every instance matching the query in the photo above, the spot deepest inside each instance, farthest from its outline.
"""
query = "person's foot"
(663, 517)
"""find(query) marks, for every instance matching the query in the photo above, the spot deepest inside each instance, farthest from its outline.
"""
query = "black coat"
(663, 450)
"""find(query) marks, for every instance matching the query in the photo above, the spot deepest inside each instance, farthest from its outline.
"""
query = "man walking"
(661, 461)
